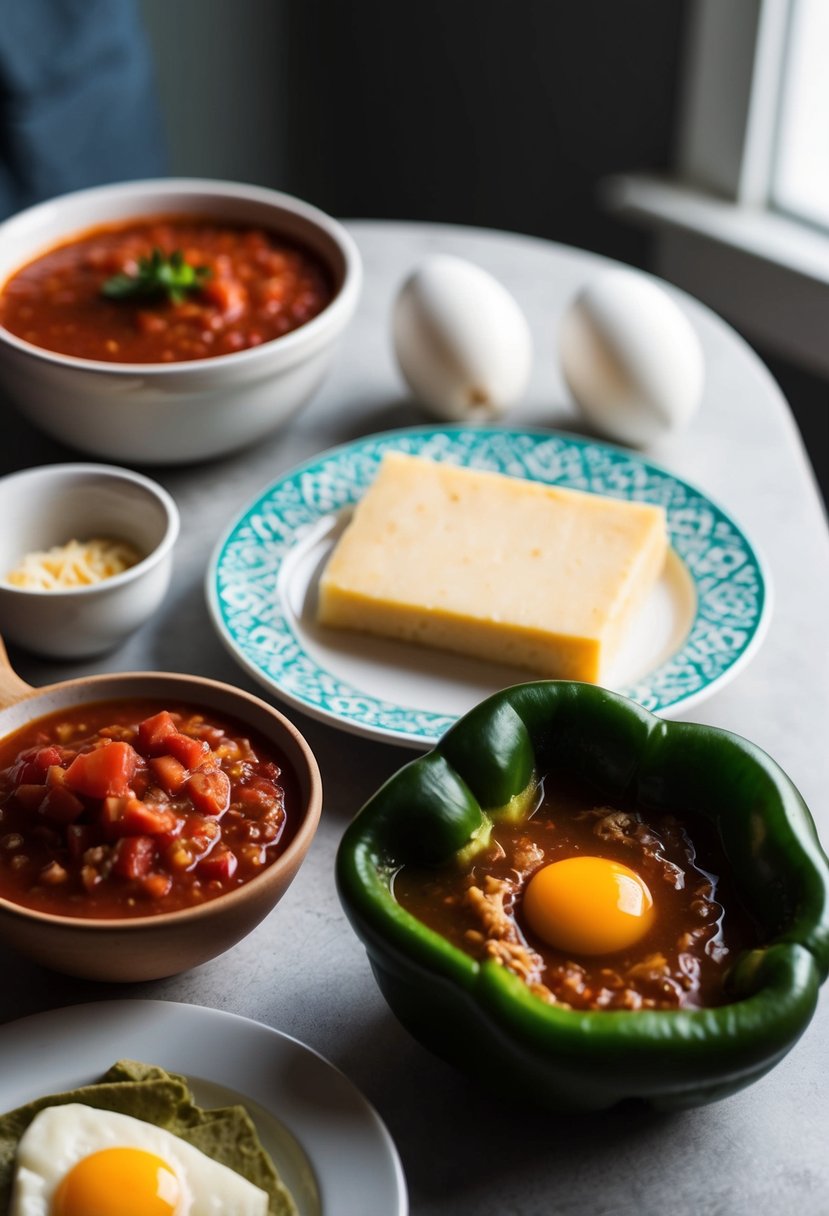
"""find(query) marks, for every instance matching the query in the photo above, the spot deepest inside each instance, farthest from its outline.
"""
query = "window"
(744, 222)
(800, 181)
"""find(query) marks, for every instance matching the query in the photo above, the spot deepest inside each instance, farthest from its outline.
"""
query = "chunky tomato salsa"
(131, 808)
(165, 290)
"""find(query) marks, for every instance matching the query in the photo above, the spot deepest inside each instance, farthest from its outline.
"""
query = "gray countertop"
(304, 972)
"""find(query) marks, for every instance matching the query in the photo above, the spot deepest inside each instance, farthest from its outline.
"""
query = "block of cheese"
(483, 564)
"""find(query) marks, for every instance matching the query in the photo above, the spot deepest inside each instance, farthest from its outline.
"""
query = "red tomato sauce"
(259, 286)
(135, 808)
(699, 925)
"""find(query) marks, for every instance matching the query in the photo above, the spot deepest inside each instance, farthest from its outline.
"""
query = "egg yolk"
(118, 1182)
(588, 905)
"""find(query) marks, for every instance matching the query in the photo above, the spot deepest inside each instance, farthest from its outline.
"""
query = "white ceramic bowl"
(48, 506)
(167, 413)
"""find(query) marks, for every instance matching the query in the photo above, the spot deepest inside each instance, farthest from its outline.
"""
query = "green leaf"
(158, 276)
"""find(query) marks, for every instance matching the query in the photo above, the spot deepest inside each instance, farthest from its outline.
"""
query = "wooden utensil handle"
(12, 688)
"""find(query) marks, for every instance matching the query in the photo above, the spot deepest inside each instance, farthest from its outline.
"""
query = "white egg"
(462, 342)
(74, 1159)
(631, 358)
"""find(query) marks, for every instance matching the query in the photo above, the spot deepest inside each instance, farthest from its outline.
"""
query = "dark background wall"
(470, 111)
(487, 112)
(503, 115)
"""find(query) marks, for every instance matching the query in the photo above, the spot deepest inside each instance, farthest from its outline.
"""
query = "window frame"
(716, 232)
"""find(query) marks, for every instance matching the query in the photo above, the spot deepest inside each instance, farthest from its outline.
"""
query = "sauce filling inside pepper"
(673, 887)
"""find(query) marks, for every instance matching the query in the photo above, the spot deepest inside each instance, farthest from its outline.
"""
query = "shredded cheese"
(75, 564)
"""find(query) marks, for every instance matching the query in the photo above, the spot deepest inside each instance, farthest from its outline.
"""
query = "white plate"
(704, 620)
(329, 1145)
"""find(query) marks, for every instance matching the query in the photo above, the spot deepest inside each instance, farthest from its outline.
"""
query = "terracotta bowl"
(149, 947)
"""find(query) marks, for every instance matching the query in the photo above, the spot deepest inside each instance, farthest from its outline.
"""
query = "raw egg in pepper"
(588, 905)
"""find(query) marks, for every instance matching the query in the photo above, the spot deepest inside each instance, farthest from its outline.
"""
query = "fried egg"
(588, 905)
(75, 1160)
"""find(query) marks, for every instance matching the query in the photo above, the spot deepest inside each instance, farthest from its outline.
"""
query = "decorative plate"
(705, 618)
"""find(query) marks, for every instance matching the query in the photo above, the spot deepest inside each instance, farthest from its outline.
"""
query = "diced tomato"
(259, 794)
(152, 733)
(60, 805)
(170, 773)
(47, 756)
(212, 735)
(133, 856)
(105, 771)
(164, 839)
(250, 796)
(220, 865)
(198, 834)
(209, 791)
(150, 322)
(228, 295)
(196, 837)
(30, 796)
(196, 825)
(189, 752)
(156, 886)
(31, 765)
(143, 819)
(129, 816)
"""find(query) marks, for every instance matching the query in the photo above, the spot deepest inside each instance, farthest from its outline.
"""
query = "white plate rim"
(413, 439)
(60, 1048)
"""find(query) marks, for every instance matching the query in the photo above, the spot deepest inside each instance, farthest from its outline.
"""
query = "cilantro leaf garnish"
(158, 275)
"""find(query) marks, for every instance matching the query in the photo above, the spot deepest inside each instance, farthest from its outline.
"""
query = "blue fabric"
(78, 104)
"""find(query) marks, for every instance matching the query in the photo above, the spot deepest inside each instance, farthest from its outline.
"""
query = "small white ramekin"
(48, 506)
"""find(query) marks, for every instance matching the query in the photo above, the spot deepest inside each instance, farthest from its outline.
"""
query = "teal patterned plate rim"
(262, 574)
